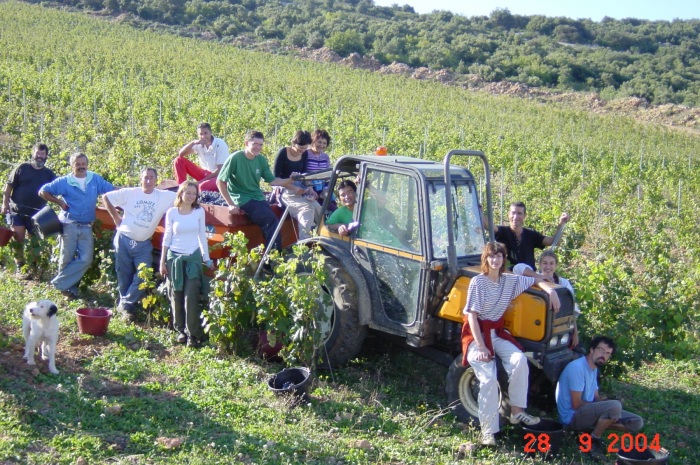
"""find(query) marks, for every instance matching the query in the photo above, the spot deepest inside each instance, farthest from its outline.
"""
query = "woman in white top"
(548, 270)
(184, 249)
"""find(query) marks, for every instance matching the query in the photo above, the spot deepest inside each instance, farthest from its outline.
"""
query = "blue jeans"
(129, 254)
(77, 248)
(260, 213)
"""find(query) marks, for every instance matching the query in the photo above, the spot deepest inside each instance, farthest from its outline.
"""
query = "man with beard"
(580, 406)
(21, 198)
(78, 194)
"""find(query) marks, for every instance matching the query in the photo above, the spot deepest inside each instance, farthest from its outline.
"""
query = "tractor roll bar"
(451, 248)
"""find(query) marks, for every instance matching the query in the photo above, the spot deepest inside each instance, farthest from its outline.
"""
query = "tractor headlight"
(565, 339)
(553, 341)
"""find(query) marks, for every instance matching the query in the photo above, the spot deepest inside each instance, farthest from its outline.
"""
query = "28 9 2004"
(626, 442)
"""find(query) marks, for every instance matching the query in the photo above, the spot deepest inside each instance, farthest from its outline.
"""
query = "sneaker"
(194, 343)
(127, 313)
(68, 294)
(598, 449)
(488, 439)
(182, 338)
(524, 418)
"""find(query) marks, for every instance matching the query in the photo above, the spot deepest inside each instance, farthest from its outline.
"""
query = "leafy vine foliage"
(655, 60)
(155, 300)
(287, 303)
(131, 98)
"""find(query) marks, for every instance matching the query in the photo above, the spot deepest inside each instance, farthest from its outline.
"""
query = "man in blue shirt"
(579, 404)
(76, 194)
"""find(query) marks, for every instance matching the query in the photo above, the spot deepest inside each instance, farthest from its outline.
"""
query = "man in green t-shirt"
(340, 220)
(239, 184)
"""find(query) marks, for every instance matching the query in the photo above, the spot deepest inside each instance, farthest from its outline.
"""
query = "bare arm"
(340, 228)
(223, 190)
(6, 199)
(574, 336)
(213, 174)
(523, 269)
(484, 218)
(288, 183)
(549, 289)
(576, 400)
(113, 212)
(188, 148)
(51, 198)
(563, 219)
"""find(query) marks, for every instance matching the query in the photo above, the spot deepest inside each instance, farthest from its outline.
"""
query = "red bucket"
(93, 321)
(5, 236)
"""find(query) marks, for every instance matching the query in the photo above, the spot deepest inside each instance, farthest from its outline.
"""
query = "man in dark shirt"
(521, 242)
(21, 197)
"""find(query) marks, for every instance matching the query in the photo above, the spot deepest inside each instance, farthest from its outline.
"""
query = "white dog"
(40, 328)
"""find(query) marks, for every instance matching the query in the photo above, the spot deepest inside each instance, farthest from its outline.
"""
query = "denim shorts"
(17, 219)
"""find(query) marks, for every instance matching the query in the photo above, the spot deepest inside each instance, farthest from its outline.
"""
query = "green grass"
(119, 399)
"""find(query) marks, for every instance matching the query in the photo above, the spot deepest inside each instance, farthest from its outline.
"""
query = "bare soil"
(675, 116)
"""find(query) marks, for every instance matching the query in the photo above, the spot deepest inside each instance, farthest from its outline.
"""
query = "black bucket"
(295, 381)
(46, 223)
(544, 438)
(646, 457)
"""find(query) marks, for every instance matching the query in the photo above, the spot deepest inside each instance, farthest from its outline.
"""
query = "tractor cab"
(400, 237)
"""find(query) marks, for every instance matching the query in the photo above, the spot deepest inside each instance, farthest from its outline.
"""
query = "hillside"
(682, 117)
(656, 61)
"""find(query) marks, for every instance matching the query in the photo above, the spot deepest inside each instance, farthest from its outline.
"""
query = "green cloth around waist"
(180, 265)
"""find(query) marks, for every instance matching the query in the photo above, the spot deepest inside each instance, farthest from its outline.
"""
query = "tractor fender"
(346, 259)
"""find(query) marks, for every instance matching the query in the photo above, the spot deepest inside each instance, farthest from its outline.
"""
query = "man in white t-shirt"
(143, 209)
(212, 153)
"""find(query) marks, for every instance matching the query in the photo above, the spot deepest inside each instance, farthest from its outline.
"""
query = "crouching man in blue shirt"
(579, 405)
(76, 194)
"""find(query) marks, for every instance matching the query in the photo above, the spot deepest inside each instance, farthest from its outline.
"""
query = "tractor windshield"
(468, 231)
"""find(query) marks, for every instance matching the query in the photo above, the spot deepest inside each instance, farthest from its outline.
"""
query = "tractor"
(404, 270)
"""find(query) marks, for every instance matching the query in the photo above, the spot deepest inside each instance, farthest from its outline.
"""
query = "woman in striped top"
(319, 160)
(484, 337)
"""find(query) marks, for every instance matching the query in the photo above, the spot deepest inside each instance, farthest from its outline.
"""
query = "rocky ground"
(676, 116)
(679, 117)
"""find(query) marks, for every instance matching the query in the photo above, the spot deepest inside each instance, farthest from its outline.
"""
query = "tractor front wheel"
(462, 388)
